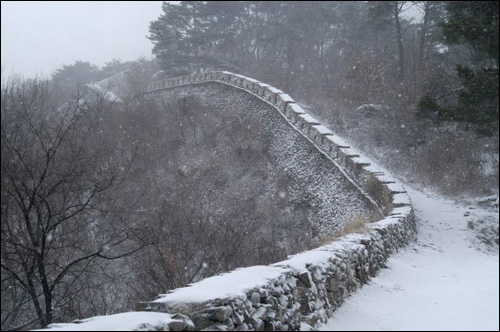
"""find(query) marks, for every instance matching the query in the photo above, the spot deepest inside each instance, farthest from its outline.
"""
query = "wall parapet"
(304, 290)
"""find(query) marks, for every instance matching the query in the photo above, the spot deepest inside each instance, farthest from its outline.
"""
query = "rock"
(286, 288)
(295, 320)
(247, 317)
(366, 242)
(283, 301)
(242, 327)
(275, 303)
(271, 315)
(150, 327)
(278, 291)
(201, 320)
(292, 283)
(217, 327)
(334, 286)
(176, 325)
(229, 323)
(269, 326)
(261, 313)
(236, 303)
(238, 317)
(181, 323)
(249, 305)
(219, 314)
(286, 317)
(258, 325)
(305, 279)
(255, 298)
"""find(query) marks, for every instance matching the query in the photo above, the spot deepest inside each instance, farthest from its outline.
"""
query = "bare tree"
(53, 232)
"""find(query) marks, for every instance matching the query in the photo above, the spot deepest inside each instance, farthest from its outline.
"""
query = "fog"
(38, 37)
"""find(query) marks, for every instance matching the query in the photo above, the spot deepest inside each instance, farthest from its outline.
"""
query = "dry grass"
(378, 192)
(354, 224)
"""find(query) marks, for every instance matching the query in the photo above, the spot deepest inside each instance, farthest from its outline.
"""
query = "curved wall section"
(319, 197)
(304, 290)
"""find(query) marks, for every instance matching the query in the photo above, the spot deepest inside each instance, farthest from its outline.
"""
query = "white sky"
(41, 36)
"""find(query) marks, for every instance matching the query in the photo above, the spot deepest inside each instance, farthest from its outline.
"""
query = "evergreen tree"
(69, 79)
(474, 23)
(187, 36)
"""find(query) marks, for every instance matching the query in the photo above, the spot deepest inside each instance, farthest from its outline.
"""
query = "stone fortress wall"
(304, 290)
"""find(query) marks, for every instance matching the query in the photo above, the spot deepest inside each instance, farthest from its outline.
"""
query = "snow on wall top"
(297, 109)
(309, 118)
(230, 285)
(323, 130)
(129, 321)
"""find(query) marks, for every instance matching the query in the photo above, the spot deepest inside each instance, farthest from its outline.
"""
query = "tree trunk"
(399, 40)
(34, 297)
(47, 292)
(423, 32)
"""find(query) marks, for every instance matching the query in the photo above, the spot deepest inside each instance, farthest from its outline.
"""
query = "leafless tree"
(53, 231)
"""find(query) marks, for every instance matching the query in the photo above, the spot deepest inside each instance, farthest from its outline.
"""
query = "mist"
(38, 37)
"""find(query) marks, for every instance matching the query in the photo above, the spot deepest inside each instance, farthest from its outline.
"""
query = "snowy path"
(438, 283)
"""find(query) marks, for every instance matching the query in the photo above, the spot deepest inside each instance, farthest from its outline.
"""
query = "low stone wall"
(305, 289)
(294, 294)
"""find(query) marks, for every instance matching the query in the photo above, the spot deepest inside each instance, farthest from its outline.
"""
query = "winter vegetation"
(134, 179)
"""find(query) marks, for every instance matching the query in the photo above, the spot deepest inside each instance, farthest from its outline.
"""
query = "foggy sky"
(39, 37)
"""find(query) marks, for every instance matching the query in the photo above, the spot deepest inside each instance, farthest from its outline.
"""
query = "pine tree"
(474, 23)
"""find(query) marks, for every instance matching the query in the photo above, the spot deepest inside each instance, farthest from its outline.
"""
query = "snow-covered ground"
(441, 282)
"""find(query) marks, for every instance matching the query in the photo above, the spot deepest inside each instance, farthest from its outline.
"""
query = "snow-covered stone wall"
(370, 181)
(295, 294)
(304, 290)
(317, 197)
